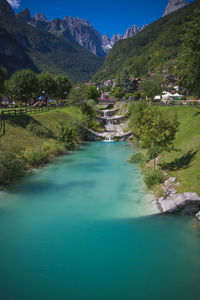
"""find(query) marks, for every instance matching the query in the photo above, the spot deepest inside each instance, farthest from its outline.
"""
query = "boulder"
(198, 216)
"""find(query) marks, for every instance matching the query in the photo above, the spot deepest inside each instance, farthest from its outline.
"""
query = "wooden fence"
(9, 113)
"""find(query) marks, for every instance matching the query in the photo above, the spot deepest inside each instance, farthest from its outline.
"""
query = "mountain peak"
(40, 18)
(25, 15)
(174, 5)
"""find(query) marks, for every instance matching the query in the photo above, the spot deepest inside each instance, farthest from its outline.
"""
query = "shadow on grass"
(25, 120)
(180, 163)
(196, 114)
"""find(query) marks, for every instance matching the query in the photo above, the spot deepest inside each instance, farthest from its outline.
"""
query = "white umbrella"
(157, 97)
(166, 96)
(178, 95)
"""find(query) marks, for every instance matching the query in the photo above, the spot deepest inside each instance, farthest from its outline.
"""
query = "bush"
(67, 136)
(152, 178)
(37, 158)
(138, 158)
(96, 126)
(55, 148)
(12, 166)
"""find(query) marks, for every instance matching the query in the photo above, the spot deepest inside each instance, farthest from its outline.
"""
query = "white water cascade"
(114, 126)
(109, 127)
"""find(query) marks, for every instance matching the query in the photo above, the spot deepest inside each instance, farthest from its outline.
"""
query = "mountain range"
(82, 32)
(65, 46)
(77, 30)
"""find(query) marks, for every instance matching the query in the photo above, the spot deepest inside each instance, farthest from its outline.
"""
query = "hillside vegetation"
(33, 139)
(185, 161)
(23, 46)
(157, 44)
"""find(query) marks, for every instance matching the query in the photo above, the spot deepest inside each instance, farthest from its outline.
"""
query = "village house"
(110, 83)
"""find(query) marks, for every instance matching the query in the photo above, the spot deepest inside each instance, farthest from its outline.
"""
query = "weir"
(114, 125)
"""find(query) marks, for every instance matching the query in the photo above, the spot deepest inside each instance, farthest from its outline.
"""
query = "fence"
(192, 103)
(5, 114)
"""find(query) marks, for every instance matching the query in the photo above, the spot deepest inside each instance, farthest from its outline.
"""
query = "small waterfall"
(109, 139)
(109, 121)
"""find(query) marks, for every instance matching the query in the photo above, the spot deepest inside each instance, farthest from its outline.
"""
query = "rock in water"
(198, 216)
(174, 5)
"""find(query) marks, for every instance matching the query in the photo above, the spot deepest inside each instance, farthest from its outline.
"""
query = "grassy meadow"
(184, 163)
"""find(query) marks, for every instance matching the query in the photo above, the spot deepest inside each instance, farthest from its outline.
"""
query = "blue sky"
(107, 16)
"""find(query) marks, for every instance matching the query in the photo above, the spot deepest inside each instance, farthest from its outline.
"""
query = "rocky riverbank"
(173, 202)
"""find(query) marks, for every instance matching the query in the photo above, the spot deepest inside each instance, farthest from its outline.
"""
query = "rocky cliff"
(76, 30)
(79, 31)
(108, 43)
(174, 5)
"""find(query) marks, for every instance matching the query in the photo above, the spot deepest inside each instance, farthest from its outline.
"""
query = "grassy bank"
(32, 140)
(184, 163)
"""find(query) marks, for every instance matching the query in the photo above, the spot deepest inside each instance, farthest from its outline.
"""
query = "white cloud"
(14, 3)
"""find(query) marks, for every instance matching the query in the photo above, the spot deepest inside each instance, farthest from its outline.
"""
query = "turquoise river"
(84, 228)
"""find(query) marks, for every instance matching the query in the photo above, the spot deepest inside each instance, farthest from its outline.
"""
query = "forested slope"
(157, 44)
(23, 46)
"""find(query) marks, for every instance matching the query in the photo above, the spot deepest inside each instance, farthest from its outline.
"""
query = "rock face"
(85, 35)
(25, 15)
(174, 5)
(108, 43)
(77, 30)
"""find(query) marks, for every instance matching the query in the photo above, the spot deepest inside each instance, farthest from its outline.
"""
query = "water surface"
(84, 228)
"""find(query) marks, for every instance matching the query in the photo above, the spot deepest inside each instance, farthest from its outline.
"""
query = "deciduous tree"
(47, 85)
(22, 85)
(152, 86)
(3, 77)
(91, 93)
(63, 86)
(155, 129)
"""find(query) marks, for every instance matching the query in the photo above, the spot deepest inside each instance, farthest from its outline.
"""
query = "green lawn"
(16, 127)
(185, 162)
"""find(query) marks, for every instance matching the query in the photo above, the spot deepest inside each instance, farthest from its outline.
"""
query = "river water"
(83, 228)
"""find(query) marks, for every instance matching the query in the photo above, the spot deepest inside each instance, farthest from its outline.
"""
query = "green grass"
(184, 164)
(17, 128)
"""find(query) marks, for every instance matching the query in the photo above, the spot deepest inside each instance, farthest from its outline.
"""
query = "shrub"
(55, 148)
(138, 158)
(12, 166)
(67, 136)
(96, 126)
(37, 158)
(152, 178)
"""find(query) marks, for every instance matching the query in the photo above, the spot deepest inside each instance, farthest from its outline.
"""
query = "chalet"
(135, 82)
(109, 83)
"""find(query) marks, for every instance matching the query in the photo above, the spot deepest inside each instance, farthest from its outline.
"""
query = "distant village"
(172, 88)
